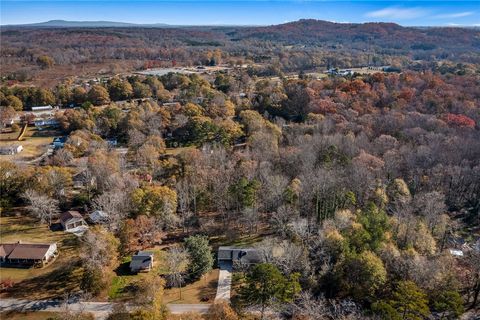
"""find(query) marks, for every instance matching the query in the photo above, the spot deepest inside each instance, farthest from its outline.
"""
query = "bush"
(15, 127)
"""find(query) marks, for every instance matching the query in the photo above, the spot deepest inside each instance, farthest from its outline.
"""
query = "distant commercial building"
(42, 108)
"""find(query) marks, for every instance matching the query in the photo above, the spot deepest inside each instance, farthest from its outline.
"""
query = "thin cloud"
(397, 13)
(455, 15)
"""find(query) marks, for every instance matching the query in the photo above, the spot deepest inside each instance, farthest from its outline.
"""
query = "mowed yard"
(200, 291)
(52, 281)
(34, 143)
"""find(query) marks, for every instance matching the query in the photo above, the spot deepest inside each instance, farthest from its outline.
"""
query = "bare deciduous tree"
(42, 206)
(177, 263)
(115, 204)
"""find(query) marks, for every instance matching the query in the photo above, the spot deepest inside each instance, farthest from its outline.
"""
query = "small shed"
(142, 261)
(71, 220)
(98, 216)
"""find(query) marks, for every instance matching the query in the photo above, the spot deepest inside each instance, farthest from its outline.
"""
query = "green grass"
(118, 289)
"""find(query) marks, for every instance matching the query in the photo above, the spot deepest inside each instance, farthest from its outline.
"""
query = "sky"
(237, 12)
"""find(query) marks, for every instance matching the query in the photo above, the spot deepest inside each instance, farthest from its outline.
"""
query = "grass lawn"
(119, 288)
(59, 276)
(34, 143)
(201, 291)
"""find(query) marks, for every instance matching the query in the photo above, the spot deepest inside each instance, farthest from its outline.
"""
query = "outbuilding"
(98, 216)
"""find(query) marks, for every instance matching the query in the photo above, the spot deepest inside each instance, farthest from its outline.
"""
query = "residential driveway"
(185, 308)
(224, 281)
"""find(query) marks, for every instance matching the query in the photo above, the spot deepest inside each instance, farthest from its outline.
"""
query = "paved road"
(99, 309)
(224, 281)
(184, 308)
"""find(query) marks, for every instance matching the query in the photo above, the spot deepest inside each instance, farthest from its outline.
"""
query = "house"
(142, 261)
(45, 122)
(59, 142)
(456, 252)
(11, 150)
(27, 253)
(72, 220)
(239, 255)
(112, 143)
(98, 216)
(42, 108)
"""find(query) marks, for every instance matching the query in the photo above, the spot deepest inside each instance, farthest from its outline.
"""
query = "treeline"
(302, 45)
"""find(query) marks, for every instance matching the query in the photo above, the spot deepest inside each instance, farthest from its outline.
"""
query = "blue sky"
(236, 12)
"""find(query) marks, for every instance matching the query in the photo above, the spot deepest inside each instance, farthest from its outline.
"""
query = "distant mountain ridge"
(319, 32)
(86, 24)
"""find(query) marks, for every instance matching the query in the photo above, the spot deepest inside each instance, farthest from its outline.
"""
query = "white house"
(11, 150)
(72, 220)
(456, 252)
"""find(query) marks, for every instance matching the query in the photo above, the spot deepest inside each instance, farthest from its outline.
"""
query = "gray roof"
(142, 260)
(249, 255)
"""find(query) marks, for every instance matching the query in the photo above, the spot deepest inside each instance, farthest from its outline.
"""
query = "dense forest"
(354, 189)
(301, 45)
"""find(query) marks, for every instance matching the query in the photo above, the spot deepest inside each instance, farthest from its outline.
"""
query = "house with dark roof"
(239, 255)
(27, 253)
(142, 261)
(72, 220)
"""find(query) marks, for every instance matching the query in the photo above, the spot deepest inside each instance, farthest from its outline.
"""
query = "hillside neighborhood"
(304, 170)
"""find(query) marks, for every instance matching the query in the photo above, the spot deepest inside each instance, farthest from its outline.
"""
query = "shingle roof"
(250, 255)
(24, 250)
(142, 260)
(6, 249)
(70, 215)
